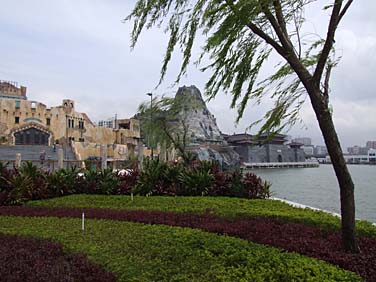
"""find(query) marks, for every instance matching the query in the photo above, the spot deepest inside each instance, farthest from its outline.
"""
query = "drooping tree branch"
(328, 41)
(283, 37)
(344, 10)
(258, 31)
(279, 15)
(326, 83)
(298, 37)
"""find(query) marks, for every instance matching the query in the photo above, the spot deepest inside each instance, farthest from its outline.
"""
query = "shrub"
(36, 260)
(127, 181)
(196, 182)
(171, 183)
(197, 178)
(254, 187)
(5, 185)
(107, 182)
(151, 178)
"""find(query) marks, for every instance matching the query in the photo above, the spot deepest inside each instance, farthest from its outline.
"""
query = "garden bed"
(145, 252)
(293, 237)
(227, 207)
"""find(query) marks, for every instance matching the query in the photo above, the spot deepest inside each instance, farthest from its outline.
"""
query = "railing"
(281, 165)
(52, 165)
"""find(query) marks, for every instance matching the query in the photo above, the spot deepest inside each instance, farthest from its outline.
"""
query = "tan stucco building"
(27, 122)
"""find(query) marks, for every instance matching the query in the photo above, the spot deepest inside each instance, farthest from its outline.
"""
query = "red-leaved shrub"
(36, 260)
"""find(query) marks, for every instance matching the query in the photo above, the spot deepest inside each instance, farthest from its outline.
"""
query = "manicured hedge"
(221, 206)
(36, 260)
(138, 252)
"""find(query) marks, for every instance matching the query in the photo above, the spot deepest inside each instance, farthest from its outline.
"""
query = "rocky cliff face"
(205, 138)
(202, 124)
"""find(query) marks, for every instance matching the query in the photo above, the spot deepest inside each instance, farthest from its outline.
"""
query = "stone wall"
(85, 150)
(274, 153)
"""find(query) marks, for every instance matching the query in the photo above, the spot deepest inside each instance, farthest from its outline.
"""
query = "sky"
(80, 50)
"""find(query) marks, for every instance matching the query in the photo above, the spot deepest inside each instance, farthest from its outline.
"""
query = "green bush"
(196, 182)
(151, 177)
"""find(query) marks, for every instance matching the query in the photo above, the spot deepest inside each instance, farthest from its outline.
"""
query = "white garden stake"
(83, 221)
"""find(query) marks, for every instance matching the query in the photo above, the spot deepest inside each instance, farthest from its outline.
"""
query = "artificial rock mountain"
(205, 138)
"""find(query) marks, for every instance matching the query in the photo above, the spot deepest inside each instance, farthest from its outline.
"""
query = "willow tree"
(240, 37)
(166, 122)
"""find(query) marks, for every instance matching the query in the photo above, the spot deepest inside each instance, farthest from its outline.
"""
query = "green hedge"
(137, 252)
(222, 206)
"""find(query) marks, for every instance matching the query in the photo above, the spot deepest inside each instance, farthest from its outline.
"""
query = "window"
(80, 124)
(33, 105)
(81, 140)
(70, 123)
(48, 121)
(17, 104)
(16, 120)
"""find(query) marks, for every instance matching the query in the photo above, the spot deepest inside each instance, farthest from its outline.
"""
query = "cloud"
(81, 50)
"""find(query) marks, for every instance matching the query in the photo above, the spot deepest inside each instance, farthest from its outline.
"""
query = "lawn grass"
(221, 206)
(138, 252)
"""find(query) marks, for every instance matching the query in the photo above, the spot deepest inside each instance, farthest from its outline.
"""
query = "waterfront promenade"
(280, 165)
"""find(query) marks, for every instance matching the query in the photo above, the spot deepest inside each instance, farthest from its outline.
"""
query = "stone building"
(263, 150)
(27, 122)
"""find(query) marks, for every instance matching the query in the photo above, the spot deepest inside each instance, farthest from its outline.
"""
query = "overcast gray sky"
(79, 49)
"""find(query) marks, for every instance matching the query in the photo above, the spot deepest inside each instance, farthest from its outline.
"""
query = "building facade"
(265, 149)
(371, 144)
(27, 122)
(306, 141)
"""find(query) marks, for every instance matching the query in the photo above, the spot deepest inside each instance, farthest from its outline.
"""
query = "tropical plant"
(107, 181)
(151, 177)
(196, 182)
(29, 170)
(21, 189)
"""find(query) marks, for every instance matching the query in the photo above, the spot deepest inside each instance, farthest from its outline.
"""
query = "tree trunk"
(345, 182)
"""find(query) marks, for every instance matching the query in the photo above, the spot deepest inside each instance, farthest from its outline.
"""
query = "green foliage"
(22, 189)
(196, 181)
(63, 181)
(165, 123)
(138, 252)
(240, 36)
(151, 176)
(107, 181)
(27, 169)
(221, 206)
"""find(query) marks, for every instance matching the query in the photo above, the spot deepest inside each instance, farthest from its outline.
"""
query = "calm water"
(317, 187)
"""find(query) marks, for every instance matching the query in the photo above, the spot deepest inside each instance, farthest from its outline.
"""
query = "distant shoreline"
(297, 205)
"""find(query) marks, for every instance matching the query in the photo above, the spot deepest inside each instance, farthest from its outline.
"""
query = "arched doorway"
(31, 136)
(279, 158)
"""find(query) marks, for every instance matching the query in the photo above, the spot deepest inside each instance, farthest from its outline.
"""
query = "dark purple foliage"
(254, 187)
(36, 260)
(293, 237)
(127, 181)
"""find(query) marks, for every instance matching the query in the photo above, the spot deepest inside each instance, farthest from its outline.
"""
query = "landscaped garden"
(130, 234)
